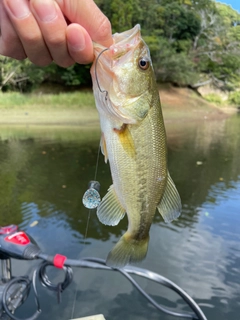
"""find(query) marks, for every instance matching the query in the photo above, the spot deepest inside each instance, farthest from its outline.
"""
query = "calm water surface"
(43, 175)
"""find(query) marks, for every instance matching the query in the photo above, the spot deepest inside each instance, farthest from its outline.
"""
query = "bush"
(214, 98)
(234, 98)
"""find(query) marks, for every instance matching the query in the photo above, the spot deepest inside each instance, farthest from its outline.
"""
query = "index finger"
(90, 17)
(10, 44)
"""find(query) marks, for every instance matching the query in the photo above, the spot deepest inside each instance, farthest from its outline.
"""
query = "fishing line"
(92, 184)
(86, 231)
(95, 177)
(96, 169)
(89, 195)
(88, 220)
(74, 303)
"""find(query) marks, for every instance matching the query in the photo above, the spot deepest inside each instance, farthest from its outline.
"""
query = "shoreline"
(178, 104)
(90, 118)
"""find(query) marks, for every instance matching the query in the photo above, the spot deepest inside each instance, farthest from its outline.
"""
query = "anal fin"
(110, 211)
(170, 204)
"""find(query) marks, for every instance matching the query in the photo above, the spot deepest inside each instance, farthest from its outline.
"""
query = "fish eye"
(143, 63)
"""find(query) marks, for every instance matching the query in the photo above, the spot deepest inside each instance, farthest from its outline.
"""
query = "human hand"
(37, 29)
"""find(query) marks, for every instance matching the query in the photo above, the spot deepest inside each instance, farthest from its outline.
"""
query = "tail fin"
(128, 250)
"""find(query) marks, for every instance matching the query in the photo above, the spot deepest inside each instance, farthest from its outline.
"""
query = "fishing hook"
(102, 91)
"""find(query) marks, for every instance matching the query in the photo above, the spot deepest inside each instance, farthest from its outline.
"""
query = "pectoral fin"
(126, 140)
(110, 211)
(104, 148)
(170, 204)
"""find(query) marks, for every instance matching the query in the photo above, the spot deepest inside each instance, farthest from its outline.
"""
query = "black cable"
(44, 280)
(171, 285)
(147, 296)
(4, 298)
(100, 264)
(153, 302)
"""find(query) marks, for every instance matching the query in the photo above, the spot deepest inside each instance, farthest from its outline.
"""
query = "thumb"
(90, 17)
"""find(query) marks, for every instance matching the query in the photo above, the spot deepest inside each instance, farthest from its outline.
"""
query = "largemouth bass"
(134, 143)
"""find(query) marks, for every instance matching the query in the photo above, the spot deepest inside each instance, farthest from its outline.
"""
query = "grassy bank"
(73, 100)
(78, 108)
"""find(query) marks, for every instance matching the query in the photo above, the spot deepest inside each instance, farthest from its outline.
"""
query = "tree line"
(192, 43)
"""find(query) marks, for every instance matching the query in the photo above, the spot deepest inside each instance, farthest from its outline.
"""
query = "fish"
(133, 140)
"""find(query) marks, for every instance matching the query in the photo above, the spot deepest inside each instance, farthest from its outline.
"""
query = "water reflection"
(43, 175)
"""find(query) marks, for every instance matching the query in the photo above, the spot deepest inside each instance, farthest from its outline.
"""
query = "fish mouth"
(122, 43)
(127, 37)
(104, 68)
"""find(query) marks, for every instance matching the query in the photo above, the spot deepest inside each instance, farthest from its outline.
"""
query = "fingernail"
(45, 10)
(19, 8)
(78, 42)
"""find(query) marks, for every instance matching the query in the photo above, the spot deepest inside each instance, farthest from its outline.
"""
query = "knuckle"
(83, 59)
(57, 41)
(19, 56)
(13, 52)
(104, 28)
(32, 39)
(66, 63)
(41, 61)
(15, 55)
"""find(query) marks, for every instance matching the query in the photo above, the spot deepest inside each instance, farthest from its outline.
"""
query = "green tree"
(19, 75)
(179, 23)
(216, 49)
(192, 42)
(170, 65)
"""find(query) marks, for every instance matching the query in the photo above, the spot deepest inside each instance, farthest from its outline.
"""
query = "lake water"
(43, 175)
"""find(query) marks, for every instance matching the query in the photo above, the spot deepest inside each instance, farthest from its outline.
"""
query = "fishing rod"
(14, 291)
